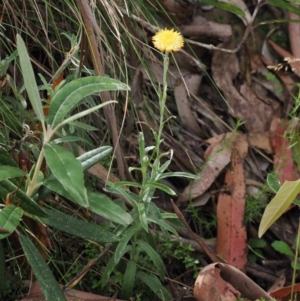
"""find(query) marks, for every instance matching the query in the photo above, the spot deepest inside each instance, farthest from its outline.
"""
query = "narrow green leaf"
(273, 182)
(66, 98)
(110, 267)
(275, 186)
(18, 197)
(142, 215)
(225, 6)
(69, 139)
(78, 227)
(53, 185)
(283, 248)
(7, 172)
(162, 224)
(68, 171)
(29, 79)
(102, 205)
(148, 237)
(44, 276)
(155, 285)
(87, 160)
(131, 197)
(278, 205)
(162, 187)
(155, 258)
(3, 277)
(84, 126)
(180, 174)
(6, 159)
(257, 243)
(92, 157)
(128, 280)
(84, 113)
(127, 183)
(10, 217)
(124, 241)
(295, 266)
(284, 5)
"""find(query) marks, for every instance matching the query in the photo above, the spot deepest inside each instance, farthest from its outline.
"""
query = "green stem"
(162, 102)
(32, 183)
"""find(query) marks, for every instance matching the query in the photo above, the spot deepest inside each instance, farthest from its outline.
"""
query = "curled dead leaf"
(209, 286)
(223, 282)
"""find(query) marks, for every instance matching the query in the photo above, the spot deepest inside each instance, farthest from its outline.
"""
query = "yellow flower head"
(168, 40)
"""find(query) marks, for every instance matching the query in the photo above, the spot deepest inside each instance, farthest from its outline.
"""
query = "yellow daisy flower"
(168, 40)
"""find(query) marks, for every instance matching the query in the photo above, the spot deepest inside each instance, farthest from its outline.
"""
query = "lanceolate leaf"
(154, 257)
(285, 5)
(6, 159)
(49, 285)
(68, 171)
(162, 224)
(273, 182)
(18, 197)
(7, 172)
(142, 216)
(285, 196)
(87, 160)
(52, 184)
(124, 241)
(283, 248)
(77, 227)
(10, 217)
(153, 282)
(129, 279)
(29, 79)
(92, 157)
(84, 113)
(110, 267)
(102, 205)
(65, 99)
(179, 174)
(275, 186)
(162, 187)
(225, 6)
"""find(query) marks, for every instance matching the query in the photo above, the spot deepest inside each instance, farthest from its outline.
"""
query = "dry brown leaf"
(223, 282)
(183, 102)
(240, 144)
(261, 140)
(217, 157)
(260, 109)
(36, 294)
(201, 200)
(284, 293)
(241, 282)
(180, 11)
(294, 33)
(232, 235)
(209, 286)
(279, 283)
(201, 27)
(245, 104)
